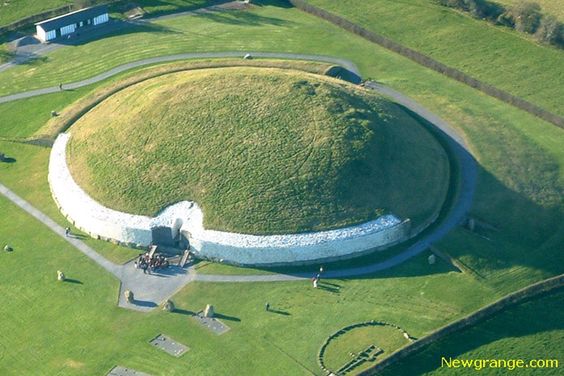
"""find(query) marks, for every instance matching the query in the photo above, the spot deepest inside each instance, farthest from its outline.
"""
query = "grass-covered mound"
(261, 150)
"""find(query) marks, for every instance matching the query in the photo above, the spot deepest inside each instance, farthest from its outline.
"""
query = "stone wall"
(529, 292)
(186, 218)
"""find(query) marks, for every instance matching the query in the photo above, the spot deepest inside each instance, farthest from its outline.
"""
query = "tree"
(526, 16)
(550, 31)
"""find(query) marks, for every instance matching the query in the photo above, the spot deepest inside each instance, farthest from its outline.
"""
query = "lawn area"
(158, 7)
(357, 340)
(231, 138)
(530, 330)
(22, 124)
(507, 60)
(76, 328)
(27, 176)
(13, 10)
(521, 157)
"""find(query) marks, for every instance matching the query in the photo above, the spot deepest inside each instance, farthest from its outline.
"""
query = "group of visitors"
(149, 263)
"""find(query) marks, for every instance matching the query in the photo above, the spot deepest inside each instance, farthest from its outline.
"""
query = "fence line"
(430, 63)
(514, 298)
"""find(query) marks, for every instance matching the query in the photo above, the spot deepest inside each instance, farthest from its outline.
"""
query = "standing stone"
(60, 276)
(471, 224)
(432, 259)
(128, 296)
(209, 312)
(168, 306)
(7, 248)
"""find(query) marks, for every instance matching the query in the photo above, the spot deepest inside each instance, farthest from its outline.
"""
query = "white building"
(71, 23)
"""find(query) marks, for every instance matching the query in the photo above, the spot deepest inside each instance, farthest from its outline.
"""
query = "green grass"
(491, 54)
(75, 328)
(355, 341)
(13, 10)
(22, 124)
(260, 150)
(28, 177)
(157, 7)
(531, 330)
(491, 127)
(520, 157)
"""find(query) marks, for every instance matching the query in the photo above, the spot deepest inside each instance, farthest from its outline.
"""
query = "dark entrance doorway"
(162, 235)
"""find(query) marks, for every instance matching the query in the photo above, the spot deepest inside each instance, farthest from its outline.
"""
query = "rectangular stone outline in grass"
(122, 371)
(168, 345)
(211, 323)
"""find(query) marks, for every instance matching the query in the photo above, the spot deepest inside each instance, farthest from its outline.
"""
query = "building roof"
(72, 17)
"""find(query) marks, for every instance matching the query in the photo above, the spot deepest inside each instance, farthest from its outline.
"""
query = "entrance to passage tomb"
(162, 235)
(169, 236)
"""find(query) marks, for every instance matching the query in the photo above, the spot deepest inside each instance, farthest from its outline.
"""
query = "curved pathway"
(349, 65)
(151, 290)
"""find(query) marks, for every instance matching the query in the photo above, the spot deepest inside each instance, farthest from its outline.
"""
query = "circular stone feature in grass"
(358, 348)
(261, 150)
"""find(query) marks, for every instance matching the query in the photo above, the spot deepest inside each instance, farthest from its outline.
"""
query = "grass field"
(78, 330)
(261, 150)
(531, 330)
(508, 60)
(75, 328)
(13, 10)
(338, 352)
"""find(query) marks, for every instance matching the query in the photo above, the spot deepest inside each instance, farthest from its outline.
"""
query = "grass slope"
(531, 330)
(13, 10)
(491, 54)
(261, 150)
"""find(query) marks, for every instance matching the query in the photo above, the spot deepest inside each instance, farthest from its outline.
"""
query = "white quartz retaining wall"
(135, 230)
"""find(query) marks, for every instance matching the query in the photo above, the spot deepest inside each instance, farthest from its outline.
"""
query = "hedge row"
(519, 296)
(430, 63)
(525, 16)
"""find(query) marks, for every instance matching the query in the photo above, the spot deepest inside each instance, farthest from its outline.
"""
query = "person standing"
(267, 307)
(67, 232)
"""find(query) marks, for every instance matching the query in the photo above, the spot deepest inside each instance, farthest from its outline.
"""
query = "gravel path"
(151, 290)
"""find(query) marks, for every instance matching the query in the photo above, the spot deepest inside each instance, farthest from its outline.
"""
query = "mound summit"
(261, 150)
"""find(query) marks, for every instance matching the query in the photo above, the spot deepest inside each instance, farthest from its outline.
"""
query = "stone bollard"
(60, 276)
(168, 306)
(129, 296)
(432, 259)
(209, 311)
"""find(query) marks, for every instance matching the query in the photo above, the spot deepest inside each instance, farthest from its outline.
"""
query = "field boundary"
(430, 63)
(514, 298)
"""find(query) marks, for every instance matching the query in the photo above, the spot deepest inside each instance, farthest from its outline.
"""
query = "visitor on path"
(267, 307)
(67, 232)
(60, 87)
